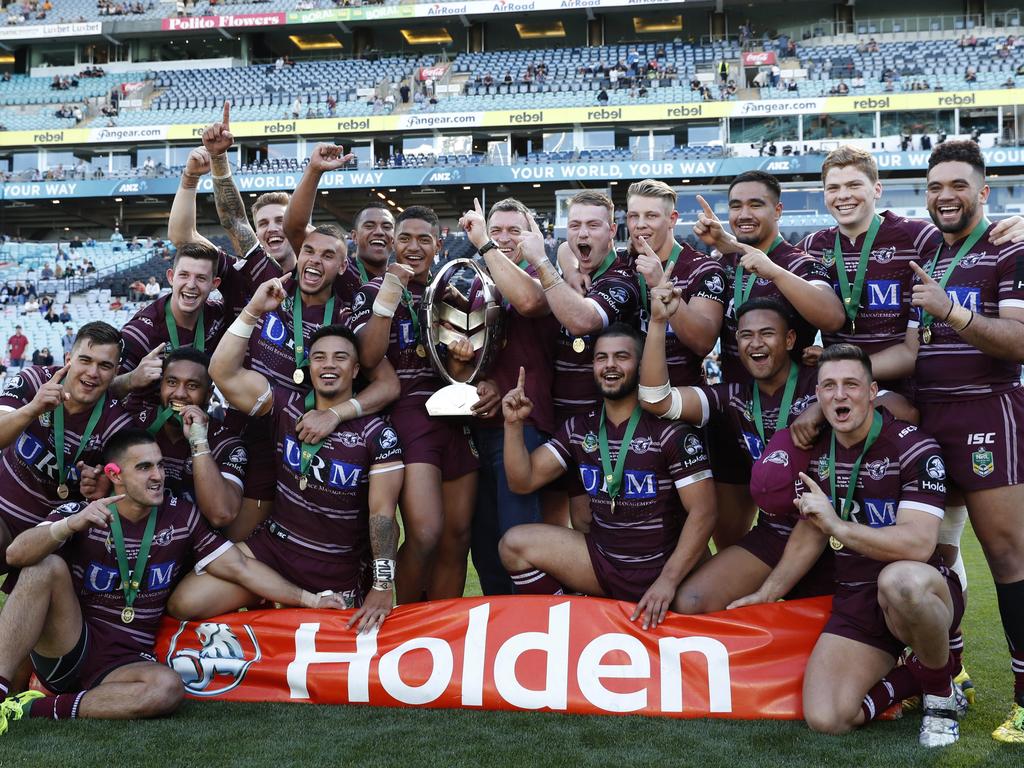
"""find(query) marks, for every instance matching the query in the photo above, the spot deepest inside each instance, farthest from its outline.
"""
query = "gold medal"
(177, 407)
(613, 505)
(578, 345)
(298, 376)
(421, 350)
(128, 615)
(926, 336)
(853, 327)
(303, 482)
(835, 543)
(63, 491)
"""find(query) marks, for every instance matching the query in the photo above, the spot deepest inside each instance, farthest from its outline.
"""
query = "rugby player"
(884, 489)
(530, 334)
(88, 622)
(53, 423)
(971, 298)
(373, 231)
(441, 465)
(643, 539)
(336, 496)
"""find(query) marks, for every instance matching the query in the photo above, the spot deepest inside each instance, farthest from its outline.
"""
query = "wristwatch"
(487, 247)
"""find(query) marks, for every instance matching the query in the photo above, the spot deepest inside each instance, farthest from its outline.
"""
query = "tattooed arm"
(230, 208)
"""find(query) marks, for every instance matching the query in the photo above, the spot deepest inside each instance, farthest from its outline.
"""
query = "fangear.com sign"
(560, 654)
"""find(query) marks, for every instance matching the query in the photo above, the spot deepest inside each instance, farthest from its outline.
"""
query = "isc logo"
(981, 438)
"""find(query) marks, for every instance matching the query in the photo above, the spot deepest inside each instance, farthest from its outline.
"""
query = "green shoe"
(966, 685)
(13, 708)
(1010, 732)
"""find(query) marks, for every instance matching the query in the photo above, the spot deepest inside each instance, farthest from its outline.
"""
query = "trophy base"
(453, 400)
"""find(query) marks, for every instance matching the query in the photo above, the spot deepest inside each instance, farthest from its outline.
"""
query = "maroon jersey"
(28, 475)
(330, 518)
(773, 482)
(903, 469)
(239, 278)
(416, 374)
(182, 537)
(350, 280)
(272, 345)
(644, 527)
(987, 279)
(734, 401)
(148, 329)
(616, 297)
(226, 447)
(791, 258)
(884, 311)
(697, 276)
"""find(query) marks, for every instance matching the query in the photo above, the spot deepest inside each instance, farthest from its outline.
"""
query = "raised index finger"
(522, 378)
(59, 375)
(227, 113)
(666, 278)
(157, 351)
(810, 484)
(925, 277)
(708, 210)
(477, 207)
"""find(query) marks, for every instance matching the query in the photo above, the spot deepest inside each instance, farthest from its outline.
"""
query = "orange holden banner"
(562, 654)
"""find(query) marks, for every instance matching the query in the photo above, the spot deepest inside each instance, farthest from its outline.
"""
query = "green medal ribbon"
(362, 271)
(976, 234)
(199, 342)
(309, 450)
(851, 296)
(613, 477)
(300, 349)
(740, 292)
(58, 435)
(131, 578)
(672, 259)
(876, 428)
(605, 265)
(787, 402)
(407, 302)
(164, 414)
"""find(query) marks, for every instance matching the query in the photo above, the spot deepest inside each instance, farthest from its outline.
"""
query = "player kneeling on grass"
(337, 485)
(888, 482)
(643, 539)
(94, 585)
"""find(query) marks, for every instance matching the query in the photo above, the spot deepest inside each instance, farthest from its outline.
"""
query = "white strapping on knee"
(958, 568)
(952, 526)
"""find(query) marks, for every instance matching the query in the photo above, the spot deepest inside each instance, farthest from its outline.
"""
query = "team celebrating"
(597, 461)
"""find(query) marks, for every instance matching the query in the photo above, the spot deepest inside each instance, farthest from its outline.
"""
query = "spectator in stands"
(621, 234)
(152, 289)
(332, 104)
(65, 314)
(82, 169)
(16, 347)
(602, 96)
(791, 85)
(58, 272)
(1010, 83)
(971, 75)
(47, 273)
(67, 341)
(51, 315)
(116, 240)
(42, 357)
(297, 107)
(776, 75)
(31, 306)
(149, 164)
(76, 112)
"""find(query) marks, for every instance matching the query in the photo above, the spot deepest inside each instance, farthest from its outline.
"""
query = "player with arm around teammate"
(95, 580)
(649, 485)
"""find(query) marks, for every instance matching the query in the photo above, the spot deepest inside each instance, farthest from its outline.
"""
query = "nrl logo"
(220, 661)
(590, 442)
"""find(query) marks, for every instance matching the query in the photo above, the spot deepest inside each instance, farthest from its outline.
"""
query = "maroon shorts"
(857, 615)
(980, 439)
(768, 545)
(349, 576)
(442, 443)
(620, 583)
(85, 665)
(729, 462)
(261, 473)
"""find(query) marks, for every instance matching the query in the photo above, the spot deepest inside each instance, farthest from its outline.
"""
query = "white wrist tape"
(241, 328)
(60, 531)
(197, 434)
(655, 394)
(383, 574)
(309, 600)
(952, 526)
(388, 297)
(357, 406)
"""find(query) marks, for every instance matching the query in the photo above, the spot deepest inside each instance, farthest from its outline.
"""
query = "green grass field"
(220, 734)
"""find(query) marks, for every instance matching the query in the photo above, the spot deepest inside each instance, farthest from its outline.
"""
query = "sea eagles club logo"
(219, 663)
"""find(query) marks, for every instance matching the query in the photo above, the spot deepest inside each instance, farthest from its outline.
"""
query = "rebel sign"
(561, 654)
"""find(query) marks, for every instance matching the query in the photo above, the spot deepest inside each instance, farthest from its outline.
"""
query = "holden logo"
(216, 662)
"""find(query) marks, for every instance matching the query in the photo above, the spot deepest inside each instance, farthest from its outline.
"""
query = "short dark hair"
(331, 230)
(100, 334)
(197, 251)
(191, 355)
(622, 330)
(965, 151)
(766, 303)
(373, 205)
(759, 177)
(422, 213)
(837, 352)
(123, 440)
(511, 205)
(335, 329)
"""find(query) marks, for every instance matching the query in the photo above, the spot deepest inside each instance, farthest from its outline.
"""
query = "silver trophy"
(461, 301)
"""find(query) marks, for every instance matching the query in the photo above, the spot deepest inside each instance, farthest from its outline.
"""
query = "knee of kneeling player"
(164, 693)
(510, 549)
(829, 722)
(44, 573)
(182, 607)
(902, 589)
